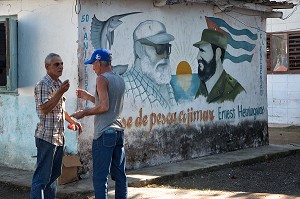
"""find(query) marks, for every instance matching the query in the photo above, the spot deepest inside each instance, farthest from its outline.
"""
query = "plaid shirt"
(51, 126)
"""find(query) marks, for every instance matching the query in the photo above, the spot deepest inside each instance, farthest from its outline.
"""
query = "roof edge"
(268, 3)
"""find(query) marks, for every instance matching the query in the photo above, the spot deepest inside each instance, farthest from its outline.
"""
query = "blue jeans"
(48, 169)
(109, 157)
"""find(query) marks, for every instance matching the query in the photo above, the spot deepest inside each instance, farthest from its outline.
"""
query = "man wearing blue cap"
(108, 142)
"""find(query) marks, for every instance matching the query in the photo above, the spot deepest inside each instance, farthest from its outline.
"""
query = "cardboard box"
(70, 164)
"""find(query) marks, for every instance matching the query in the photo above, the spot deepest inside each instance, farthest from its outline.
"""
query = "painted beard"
(159, 72)
(206, 70)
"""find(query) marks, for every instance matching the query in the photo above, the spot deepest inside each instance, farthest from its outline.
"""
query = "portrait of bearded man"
(148, 80)
(215, 83)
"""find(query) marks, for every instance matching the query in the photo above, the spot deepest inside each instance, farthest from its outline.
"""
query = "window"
(8, 55)
(283, 52)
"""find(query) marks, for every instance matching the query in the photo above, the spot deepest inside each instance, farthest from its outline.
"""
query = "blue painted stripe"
(238, 59)
(240, 44)
(222, 23)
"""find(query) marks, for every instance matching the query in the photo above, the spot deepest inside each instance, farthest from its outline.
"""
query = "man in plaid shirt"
(49, 133)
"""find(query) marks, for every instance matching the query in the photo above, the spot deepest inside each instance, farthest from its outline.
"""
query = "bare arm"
(49, 105)
(71, 121)
(103, 106)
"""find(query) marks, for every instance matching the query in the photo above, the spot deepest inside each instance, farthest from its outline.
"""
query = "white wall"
(283, 89)
(43, 27)
(284, 99)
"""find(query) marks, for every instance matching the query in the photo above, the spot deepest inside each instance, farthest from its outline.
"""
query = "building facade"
(195, 73)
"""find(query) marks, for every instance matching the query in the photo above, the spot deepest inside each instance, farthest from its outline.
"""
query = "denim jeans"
(48, 169)
(109, 157)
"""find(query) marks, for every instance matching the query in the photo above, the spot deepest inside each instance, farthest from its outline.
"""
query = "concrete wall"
(165, 119)
(43, 27)
(283, 89)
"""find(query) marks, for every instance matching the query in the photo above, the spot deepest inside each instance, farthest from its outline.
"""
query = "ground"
(284, 135)
(275, 179)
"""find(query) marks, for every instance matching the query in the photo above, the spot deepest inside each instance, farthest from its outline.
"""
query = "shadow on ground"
(277, 176)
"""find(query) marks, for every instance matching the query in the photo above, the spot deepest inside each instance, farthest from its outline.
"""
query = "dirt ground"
(284, 135)
(279, 178)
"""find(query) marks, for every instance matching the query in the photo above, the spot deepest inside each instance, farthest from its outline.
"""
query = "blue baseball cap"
(100, 54)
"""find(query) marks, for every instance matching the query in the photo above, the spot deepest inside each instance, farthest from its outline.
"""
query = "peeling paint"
(1, 118)
(85, 153)
(1, 125)
(179, 143)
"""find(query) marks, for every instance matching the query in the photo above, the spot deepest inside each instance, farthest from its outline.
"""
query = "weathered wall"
(165, 118)
(43, 27)
(283, 89)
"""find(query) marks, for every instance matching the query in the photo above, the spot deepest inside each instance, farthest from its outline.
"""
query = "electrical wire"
(289, 15)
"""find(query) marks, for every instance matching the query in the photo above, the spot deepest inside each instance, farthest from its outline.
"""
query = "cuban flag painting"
(234, 39)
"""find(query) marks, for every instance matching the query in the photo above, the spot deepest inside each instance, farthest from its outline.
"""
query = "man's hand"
(78, 114)
(82, 94)
(76, 126)
(49, 105)
(65, 86)
(79, 127)
(85, 95)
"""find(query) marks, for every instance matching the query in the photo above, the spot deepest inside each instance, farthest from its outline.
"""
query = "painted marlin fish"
(102, 32)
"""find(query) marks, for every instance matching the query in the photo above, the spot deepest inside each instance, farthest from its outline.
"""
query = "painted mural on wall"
(102, 32)
(149, 80)
(171, 99)
(216, 84)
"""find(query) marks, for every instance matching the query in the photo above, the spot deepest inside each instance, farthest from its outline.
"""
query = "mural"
(102, 32)
(237, 39)
(216, 84)
(186, 93)
(185, 83)
(148, 80)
